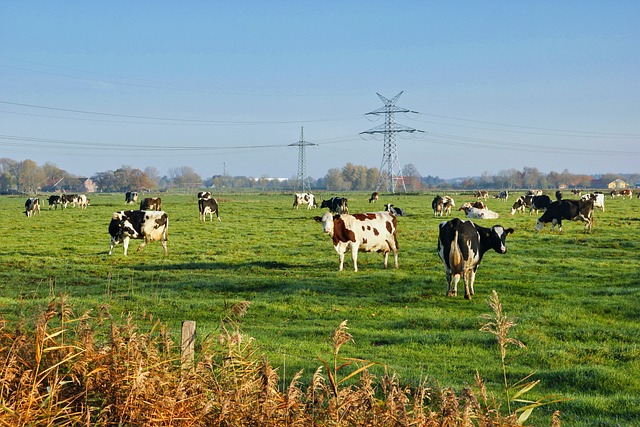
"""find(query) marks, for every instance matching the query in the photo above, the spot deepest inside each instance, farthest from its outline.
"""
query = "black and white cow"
(461, 245)
(208, 206)
(597, 198)
(32, 207)
(539, 203)
(151, 204)
(54, 201)
(394, 210)
(503, 195)
(304, 199)
(438, 206)
(482, 194)
(204, 195)
(150, 226)
(521, 203)
(369, 232)
(69, 199)
(130, 197)
(374, 197)
(336, 204)
(573, 210)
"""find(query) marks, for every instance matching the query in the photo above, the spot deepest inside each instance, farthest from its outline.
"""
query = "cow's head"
(498, 237)
(327, 222)
(121, 226)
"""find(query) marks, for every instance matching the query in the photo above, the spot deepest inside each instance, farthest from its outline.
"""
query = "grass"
(574, 294)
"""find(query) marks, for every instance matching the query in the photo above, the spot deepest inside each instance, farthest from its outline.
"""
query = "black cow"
(147, 225)
(567, 209)
(66, 199)
(54, 201)
(539, 203)
(461, 245)
(394, 210)
(208, 206)
(558, 195)
(336, 204)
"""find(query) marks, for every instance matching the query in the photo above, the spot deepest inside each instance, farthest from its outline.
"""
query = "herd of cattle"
(461, 243)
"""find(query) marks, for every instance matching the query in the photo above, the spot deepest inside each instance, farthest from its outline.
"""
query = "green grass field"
(576, 296)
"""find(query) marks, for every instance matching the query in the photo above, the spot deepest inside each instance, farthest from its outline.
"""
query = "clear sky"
(225, 86)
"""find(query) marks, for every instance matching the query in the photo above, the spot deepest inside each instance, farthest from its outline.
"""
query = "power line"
(302, 179)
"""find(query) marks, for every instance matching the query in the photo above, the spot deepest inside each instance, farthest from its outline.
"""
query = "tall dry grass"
(85, 370)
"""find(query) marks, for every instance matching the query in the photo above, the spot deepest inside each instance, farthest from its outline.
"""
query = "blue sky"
(93, 86)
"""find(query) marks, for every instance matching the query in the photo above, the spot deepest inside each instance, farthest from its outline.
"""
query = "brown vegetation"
(95, 371)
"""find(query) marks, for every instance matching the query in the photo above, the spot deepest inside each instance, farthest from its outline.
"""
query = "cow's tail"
(455, 255)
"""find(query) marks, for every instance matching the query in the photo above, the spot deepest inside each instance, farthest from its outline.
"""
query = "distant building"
(617, 184)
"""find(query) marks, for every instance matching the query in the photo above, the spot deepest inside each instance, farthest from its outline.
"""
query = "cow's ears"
(115, 216)
(318, 218)
(509, 230)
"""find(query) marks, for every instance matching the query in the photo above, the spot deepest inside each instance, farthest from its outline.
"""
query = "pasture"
(576, 295)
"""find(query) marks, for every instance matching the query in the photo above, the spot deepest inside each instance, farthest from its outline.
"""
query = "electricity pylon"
(302, 181)
(390, 153)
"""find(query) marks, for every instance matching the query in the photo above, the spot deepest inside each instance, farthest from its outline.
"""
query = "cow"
(66, 199)
(461, 245)
(472, 212)
(521, 204)
(130, 197)
(369, 232)
(374, 197)
(394, 210)
(576, 192)
(567, 209)
(208, 206)
(558, 195)
(534, 193)
(304, 198)
(627, 192)
(83, 201)
(597, 198)
(150, 226)
(539, 203)
(503, 195)
(204, 195)
(482, 194)
(54, 201)
(32, 207)
(151, 204)
(448, 203)
(478, 204)
(336, 204)
(437, 204)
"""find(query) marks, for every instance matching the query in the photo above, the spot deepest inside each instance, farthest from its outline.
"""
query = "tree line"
(28, 177)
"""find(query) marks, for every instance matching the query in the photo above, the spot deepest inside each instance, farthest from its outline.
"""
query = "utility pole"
(389, 129)
(302, 181)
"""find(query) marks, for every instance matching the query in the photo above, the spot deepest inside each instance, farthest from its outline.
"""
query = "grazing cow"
(597, 198)
(539, 203)
(503, 195)
(151, 204)
(336, 204)
(304, 198)
(66, 199)
(32, 207)
(534, 193)
(521, 204)
(576, 192)
(396, 211)
(472, 212)
(558, 195)
(627, 192)
(130, 197)
(461, 245)
(54, 201)
(374, 197)
(438, 206)
(482, 194)
(148, 225)
(204, 195)
(209, 207)
(567, 209)
(369, 232)
(83, 202)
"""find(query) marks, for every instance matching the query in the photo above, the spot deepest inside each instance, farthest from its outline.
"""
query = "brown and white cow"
(83, 201)
(304, 199)
(472, 212)
(369, 232)
(150, 226)
(32, 207)
(151, 204)
(461, 245)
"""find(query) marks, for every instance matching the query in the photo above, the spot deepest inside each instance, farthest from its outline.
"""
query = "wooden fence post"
(188, 343)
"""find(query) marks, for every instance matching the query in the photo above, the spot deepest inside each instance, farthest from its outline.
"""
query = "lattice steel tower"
(389, 129)
(302, 180)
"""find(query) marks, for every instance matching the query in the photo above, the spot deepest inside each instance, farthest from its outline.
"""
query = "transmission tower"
(302, 181)
(389, 128)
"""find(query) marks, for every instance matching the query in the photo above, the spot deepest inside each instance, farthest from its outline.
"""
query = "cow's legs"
(452, 283)
(125, 243)
(386, 259)
(164, 246)
(341, 256)
(354, 257)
